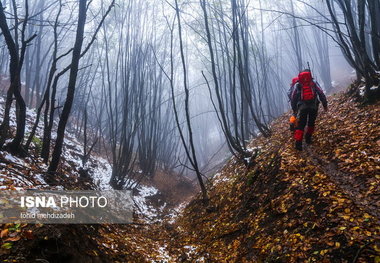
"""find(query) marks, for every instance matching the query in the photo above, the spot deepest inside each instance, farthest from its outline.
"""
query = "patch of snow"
(190, 249)
(163, 254)
(143, 208)
(40, 178)
(252, 149)
(219, 178)
(13, 159)
(74, 143)
(173, 214)
(191, 252)
(361, 90)
(71, 158)
(101, 173)
(146, 191)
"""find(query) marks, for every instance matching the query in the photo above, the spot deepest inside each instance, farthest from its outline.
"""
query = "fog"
(174, 91)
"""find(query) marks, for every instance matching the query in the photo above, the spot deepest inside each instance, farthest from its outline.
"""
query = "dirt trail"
(347, 183)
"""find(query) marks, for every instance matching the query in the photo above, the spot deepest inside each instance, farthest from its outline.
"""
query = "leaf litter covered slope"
(288, 206)
(313, 206)
(319, 205)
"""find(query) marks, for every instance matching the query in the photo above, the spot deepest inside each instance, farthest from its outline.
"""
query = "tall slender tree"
(71, 86)
(16, 62)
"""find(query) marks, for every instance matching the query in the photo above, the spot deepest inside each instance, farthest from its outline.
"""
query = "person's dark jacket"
(298, 104)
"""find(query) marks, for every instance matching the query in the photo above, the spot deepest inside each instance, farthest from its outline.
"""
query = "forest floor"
(318, 205)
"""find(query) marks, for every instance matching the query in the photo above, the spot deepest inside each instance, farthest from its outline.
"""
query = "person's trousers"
(305, 116)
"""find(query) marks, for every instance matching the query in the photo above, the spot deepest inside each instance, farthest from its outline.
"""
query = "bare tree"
(71, 87)
(351, 37)
(243, 101)
(189, 147)
(16, 62)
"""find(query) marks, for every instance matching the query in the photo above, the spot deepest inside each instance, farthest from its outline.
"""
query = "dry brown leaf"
(14, 239)
(4, 233)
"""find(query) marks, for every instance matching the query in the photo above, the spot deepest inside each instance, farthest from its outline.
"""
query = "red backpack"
(307, 86)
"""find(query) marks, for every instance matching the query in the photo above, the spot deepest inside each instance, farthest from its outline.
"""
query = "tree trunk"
(15, 88)
(70, 89)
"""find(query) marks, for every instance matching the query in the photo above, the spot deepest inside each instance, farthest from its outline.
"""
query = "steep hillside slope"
(76, 243)
(319, 205)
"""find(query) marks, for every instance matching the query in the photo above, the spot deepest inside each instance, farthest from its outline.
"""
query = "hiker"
(292, 85)
(293, 117)
(305, 98)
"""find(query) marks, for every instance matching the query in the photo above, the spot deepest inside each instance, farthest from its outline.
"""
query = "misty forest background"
(175, 86)
(185, 103)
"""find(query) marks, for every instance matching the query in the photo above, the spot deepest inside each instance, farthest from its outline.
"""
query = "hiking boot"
(308, 139)
(299, 145)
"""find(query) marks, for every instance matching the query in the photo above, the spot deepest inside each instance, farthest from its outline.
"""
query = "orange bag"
(293, 119)
(293, 123)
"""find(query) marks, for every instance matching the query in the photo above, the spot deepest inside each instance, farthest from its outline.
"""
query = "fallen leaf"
(4, 233)
(6, 245)
(29, 234)
(16, 238)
